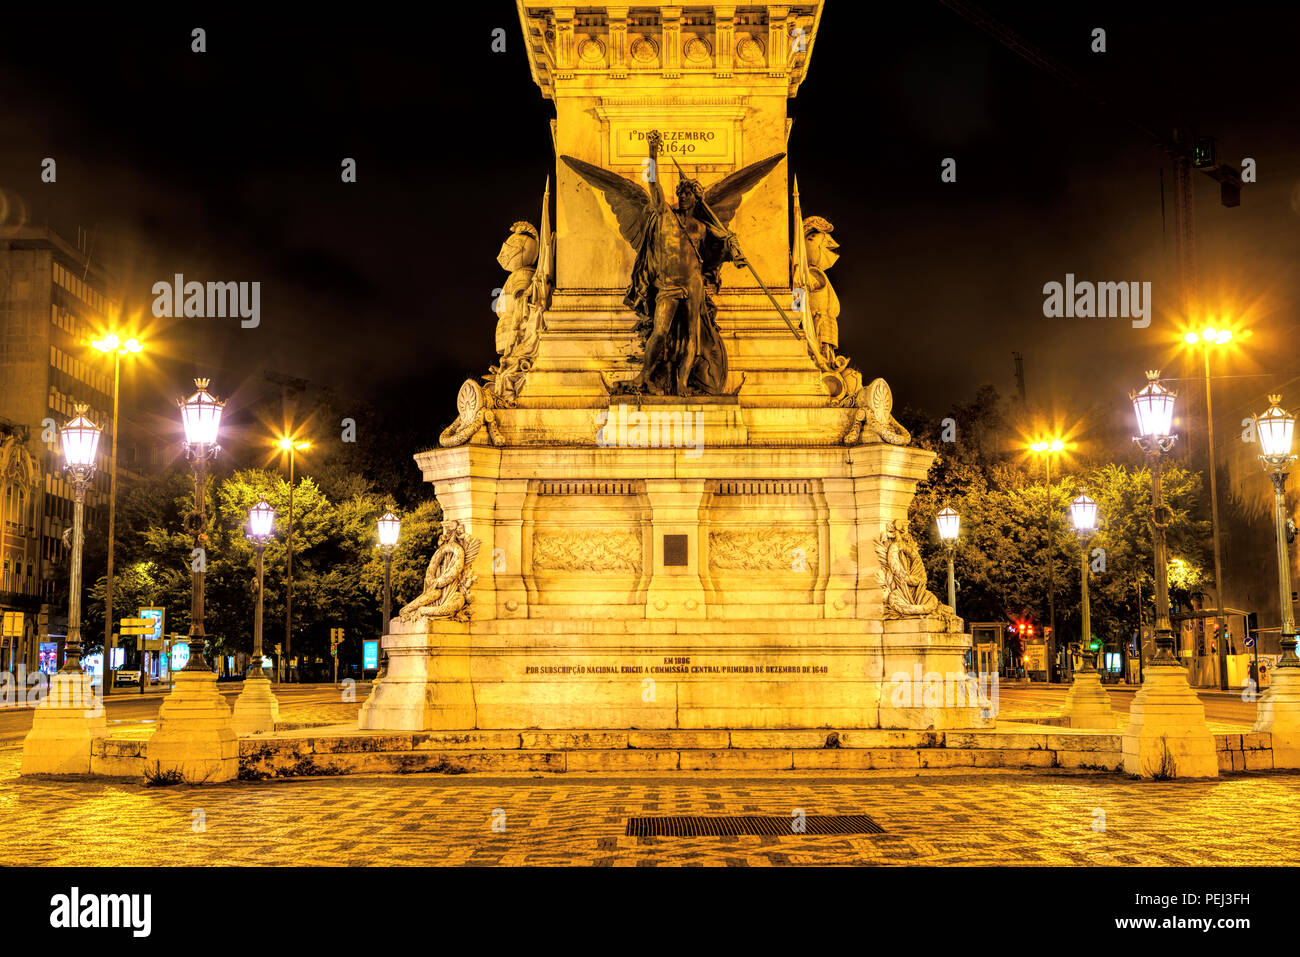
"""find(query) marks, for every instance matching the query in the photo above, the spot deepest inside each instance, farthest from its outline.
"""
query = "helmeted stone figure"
(679, 255)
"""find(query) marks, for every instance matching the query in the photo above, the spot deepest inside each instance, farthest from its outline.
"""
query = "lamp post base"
(64, 723)
(256, 709)
(195, 737)
(1088, 705)
(1278, 712)
(1167, 736)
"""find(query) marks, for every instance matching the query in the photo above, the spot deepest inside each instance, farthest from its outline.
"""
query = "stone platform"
(340, 749)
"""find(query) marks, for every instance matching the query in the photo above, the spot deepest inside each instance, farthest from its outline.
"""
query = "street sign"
(157, 616)
(1250, 641)
(13, 624)
(137, 626)
(370, 654)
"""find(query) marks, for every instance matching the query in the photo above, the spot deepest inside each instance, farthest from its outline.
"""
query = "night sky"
(225, 166)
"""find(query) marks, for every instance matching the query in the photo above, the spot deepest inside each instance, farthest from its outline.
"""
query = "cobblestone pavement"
(965, 819)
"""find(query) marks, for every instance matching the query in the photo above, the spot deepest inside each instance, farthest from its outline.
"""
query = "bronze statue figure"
(679, 255)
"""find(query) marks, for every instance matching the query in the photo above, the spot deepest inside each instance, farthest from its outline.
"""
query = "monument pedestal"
(195, 737)
(1088, 705)
(256, 709)
(1278, 713)
(1167, 735)
(64, 723)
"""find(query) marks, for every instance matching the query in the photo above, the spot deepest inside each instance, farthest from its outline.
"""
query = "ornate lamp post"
(1276, 430)
(69, 717)
(949, 523)
(256, 708)
(1083, 515)
(201, 416)
(261, 518)
(390, 526)
(1154, 406)
(1279, 708)
(1167, 734)
(80, 439)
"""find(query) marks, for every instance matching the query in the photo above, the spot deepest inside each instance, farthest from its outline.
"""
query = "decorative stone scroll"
(448, 580)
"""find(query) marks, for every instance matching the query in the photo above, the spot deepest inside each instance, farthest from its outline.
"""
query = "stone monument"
(673, 505)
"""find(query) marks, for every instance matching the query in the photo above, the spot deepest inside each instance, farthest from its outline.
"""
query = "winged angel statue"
(679, 255)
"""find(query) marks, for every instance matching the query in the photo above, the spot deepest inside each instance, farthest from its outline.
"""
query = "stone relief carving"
(618, 551)
(902, 576)
(769, 549)
(448, 580)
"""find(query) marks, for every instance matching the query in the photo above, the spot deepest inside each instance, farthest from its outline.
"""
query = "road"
(1224, 710)
(130, 709)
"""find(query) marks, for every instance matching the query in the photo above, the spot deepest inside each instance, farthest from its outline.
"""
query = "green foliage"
(1013, 525)
(337, 568)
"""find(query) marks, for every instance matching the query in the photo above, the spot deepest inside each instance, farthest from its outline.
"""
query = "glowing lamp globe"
(1083, 513)
(949, 523)
(80, 439)
(389, 527)
(201, 415)
(1276, 429)
(1154, 405)
(261, 517)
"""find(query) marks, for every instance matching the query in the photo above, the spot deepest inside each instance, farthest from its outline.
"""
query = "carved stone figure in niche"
(902, 575)
(679, 255)
(448, 580)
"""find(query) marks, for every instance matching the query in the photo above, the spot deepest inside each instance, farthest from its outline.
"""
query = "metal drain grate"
(701, 826)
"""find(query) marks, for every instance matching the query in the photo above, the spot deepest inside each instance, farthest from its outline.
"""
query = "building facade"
(53, 302)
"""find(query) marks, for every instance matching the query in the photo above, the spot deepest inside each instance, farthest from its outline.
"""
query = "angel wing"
(629, 201)
(724, 196)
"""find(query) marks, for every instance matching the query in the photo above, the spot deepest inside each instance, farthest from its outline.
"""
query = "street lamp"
(1208, 339)
(1154, 407)
(117, 347)
(256, 709)
(949, 523)
(1047, 448)
(261, 518)
(292, 446)
(390, 526)
(1276, 430)
(1083, 515)
(80, 439)
(201, 416)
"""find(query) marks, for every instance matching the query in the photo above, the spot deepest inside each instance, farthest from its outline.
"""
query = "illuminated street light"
(1154, 406)
(1047, 448)
(117, 347)
(80, 439)
(1208, 338)
(293, 447)
(256, 708)
(1276, 431)
(1083, 515)
(201, 416)
(390, 526)
(949, 523)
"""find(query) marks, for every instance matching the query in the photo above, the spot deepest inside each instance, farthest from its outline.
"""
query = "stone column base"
(195, 737)
(64, 723)
(1088, 705)
(1167, 735)
(428, 682)
(1278, 713)
(256, 709)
